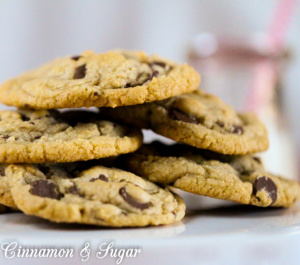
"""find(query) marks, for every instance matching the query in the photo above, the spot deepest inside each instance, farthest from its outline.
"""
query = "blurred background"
(227, 41)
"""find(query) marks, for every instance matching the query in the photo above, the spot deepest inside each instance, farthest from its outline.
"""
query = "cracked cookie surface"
(28, 136)
(198, 119)
(111, 79)
(97, 195)
(242, 179)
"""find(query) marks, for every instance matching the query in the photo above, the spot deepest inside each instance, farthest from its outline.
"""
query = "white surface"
(33, 32)
(216, 234)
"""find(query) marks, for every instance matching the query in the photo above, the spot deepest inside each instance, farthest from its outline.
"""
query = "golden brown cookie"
(109, 79)
(97, 195)
(242, 179)
(28, 136)
(198, 119)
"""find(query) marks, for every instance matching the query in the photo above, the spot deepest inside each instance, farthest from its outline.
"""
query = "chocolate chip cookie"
(198, 119)
(28, 136)
(242, 179)
(98, 195)
(110, 79)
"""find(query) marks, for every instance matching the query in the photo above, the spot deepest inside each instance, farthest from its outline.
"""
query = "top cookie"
(102, 80)
(28, 136)
(198, 119)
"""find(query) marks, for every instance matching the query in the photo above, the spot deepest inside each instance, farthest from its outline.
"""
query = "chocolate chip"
(220, 123)
(161, 64)
(101, 177)
(26, 106)
(31, 122)
(150, 77)
(96, 93)
(37, 137)
(133, 202)
(5, 137)
(257, 159)
(2, 172)
(177, 114)
(73, 189)
(80, 72)
(266, 184)
(45, 188)
(25, 118)
(76, 57)
(237, 129)
(154, 74)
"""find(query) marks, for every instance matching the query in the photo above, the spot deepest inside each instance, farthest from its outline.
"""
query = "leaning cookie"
(98, 195)
(28, 136)
(198, 119)
(110, 79)
(236, 178)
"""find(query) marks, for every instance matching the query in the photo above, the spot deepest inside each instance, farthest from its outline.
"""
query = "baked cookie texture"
(5, 194)
(111, 79)
(97, 195)
(39, 136)
(198, 119)
(242, 179)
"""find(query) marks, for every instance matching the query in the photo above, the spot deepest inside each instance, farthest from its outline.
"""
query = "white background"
(33, 32)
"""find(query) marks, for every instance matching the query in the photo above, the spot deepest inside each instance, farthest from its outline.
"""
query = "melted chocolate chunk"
(38, 137)
(73, 189)
(5, 137)
(24, 118)
(80, 72)
(238, 129)
(257, 159)
(151, 76)
(178, 115)
(161, 64)
(2, 172)
(220, 123)
(45, 188)
(133, 202)
(101, 177)
(76, 57)
(26, 106)
(266, 184)
(139, 82)
(128, 85)
(96, 93)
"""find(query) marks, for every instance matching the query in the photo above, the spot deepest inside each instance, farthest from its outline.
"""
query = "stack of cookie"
(78, 165)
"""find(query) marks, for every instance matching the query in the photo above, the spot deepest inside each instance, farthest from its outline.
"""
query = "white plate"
(215, 233)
